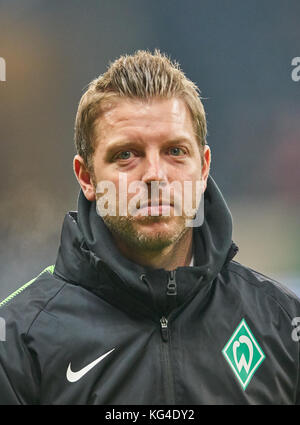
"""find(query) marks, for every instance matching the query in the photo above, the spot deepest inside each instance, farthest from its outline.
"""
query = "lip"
(156, 209)
(156, 204)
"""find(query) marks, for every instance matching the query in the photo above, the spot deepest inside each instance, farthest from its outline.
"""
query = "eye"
(176, 151)
(124, 155)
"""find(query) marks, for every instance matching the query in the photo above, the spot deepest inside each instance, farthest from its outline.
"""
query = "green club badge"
(243, 353)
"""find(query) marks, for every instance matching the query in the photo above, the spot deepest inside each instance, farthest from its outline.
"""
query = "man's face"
(148, 142)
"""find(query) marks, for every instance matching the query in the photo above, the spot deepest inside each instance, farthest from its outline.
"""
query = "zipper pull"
(164, 328)
(172, 286)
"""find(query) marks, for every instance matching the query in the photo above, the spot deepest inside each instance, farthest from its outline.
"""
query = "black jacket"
(100, 329)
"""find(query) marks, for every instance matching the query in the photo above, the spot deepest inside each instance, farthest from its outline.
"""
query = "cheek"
(193, 188)
(191, 174)
(105, 171)
(128, 187)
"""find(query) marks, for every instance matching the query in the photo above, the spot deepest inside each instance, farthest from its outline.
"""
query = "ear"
(206, 158)
(84, 178)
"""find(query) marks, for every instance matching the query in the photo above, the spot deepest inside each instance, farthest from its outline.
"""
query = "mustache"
(157, 194)
(171, 204)
(135, 198)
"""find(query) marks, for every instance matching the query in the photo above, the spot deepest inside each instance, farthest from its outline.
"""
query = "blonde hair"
(143, 76)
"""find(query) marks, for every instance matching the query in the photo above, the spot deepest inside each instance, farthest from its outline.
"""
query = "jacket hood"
(89, 257)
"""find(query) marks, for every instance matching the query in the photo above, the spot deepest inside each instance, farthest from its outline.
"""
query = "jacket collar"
(89, 257)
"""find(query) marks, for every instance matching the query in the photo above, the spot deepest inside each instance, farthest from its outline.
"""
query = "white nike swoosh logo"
(75, 376)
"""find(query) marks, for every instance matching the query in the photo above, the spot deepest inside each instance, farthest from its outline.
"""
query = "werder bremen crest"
(243, 353)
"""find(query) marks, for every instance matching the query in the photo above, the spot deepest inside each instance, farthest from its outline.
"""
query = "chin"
(148, 234)
(157, 236)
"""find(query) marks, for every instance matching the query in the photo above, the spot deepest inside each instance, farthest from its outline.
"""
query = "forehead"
(153, 116)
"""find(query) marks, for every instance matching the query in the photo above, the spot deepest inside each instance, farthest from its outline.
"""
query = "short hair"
(142, 76)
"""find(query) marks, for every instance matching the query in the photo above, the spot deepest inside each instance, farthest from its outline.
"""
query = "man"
(145, 304)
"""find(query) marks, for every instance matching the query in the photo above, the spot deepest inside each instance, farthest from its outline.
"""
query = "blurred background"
(239, 53)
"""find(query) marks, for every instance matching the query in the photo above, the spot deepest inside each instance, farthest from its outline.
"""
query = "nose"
(154, 169)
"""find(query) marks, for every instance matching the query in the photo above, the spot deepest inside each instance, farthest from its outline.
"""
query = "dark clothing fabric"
(100, 329)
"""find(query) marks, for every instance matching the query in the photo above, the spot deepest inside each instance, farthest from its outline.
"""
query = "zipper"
(171, 291)
(168, 378)
(165, 343)
(166, 362)
(172, 286)
(164, 329)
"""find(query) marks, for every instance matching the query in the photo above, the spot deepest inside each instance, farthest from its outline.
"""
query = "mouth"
(156, 203)
(155, 208)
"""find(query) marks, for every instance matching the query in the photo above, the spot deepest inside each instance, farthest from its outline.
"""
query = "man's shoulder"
(24, 304)
(274, 289)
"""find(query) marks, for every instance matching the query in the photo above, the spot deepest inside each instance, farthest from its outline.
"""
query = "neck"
(176, 255)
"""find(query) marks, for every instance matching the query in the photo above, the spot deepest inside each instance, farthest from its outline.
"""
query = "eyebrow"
(120, 144)
(128, 143)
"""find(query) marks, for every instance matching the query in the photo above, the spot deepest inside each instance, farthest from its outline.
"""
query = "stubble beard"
(126, 229)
